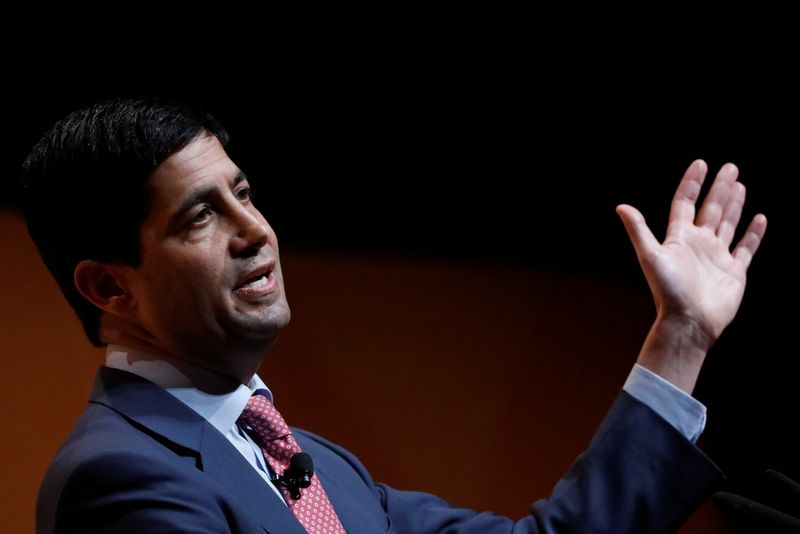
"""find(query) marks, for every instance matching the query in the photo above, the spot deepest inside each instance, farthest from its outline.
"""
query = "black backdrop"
(496, 135)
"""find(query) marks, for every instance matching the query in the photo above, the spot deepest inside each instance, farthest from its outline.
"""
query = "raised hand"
(697, 282)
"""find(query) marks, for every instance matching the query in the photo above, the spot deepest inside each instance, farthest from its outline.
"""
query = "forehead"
(200, 163)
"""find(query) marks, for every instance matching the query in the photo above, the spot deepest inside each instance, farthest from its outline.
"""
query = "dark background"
(470, 135)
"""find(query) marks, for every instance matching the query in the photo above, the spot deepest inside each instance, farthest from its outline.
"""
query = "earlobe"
(101, 284)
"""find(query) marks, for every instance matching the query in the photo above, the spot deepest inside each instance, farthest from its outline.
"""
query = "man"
(149, 229)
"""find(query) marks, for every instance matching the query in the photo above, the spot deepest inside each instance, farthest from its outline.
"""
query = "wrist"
(675, 349)
(683, 330)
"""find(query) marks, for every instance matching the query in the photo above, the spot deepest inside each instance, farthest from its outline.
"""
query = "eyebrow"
(203, 195)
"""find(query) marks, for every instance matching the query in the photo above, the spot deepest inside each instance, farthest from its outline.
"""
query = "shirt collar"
(214, 397)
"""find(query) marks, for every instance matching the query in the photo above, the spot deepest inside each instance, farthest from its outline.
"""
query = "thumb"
(644, 242)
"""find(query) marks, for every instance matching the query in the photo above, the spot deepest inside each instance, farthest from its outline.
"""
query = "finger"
(751, 239)
(714, 203)
(731, 214)
(685, 198)
(644, 242)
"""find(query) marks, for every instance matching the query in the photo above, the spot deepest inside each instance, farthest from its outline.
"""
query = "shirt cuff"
(679, 409)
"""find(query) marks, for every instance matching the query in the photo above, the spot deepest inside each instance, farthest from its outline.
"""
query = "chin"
(263, 328)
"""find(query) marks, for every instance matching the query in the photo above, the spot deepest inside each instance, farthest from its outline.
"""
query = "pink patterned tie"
(313, 510)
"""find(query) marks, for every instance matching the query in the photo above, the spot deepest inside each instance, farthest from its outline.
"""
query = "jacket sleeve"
(132, 493)
(638, 475)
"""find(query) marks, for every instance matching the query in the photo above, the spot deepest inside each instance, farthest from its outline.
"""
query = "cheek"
(200, 280)
(181, 280)
(185, 278)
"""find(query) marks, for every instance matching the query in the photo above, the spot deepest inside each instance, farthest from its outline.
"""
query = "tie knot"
(262, 417)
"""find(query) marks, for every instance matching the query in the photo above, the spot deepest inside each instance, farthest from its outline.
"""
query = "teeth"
(258, 282)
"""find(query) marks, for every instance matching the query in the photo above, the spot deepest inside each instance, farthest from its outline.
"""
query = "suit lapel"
(225, 464)
(159, 412)
(350, 506)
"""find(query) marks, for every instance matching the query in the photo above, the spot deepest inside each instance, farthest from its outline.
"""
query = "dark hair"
(85, 185)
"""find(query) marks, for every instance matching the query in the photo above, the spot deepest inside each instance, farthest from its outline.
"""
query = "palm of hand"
(693, 275)
(696, 277)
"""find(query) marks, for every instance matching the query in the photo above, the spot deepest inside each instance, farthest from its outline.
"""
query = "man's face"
(210, 278)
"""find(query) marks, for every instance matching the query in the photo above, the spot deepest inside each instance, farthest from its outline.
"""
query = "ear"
(103, 285)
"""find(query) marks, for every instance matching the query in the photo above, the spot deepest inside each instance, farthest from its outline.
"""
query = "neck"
(169, 372)
(234, 360)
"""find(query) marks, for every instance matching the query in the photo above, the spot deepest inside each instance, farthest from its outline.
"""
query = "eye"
(244, 194)
(201, 216)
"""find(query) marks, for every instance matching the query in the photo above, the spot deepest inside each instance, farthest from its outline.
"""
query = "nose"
(251, 232)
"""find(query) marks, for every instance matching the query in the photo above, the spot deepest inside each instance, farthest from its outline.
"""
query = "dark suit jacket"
(141, 461)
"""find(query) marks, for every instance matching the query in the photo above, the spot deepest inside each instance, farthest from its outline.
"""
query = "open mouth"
(257, 280)
(255, 283)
